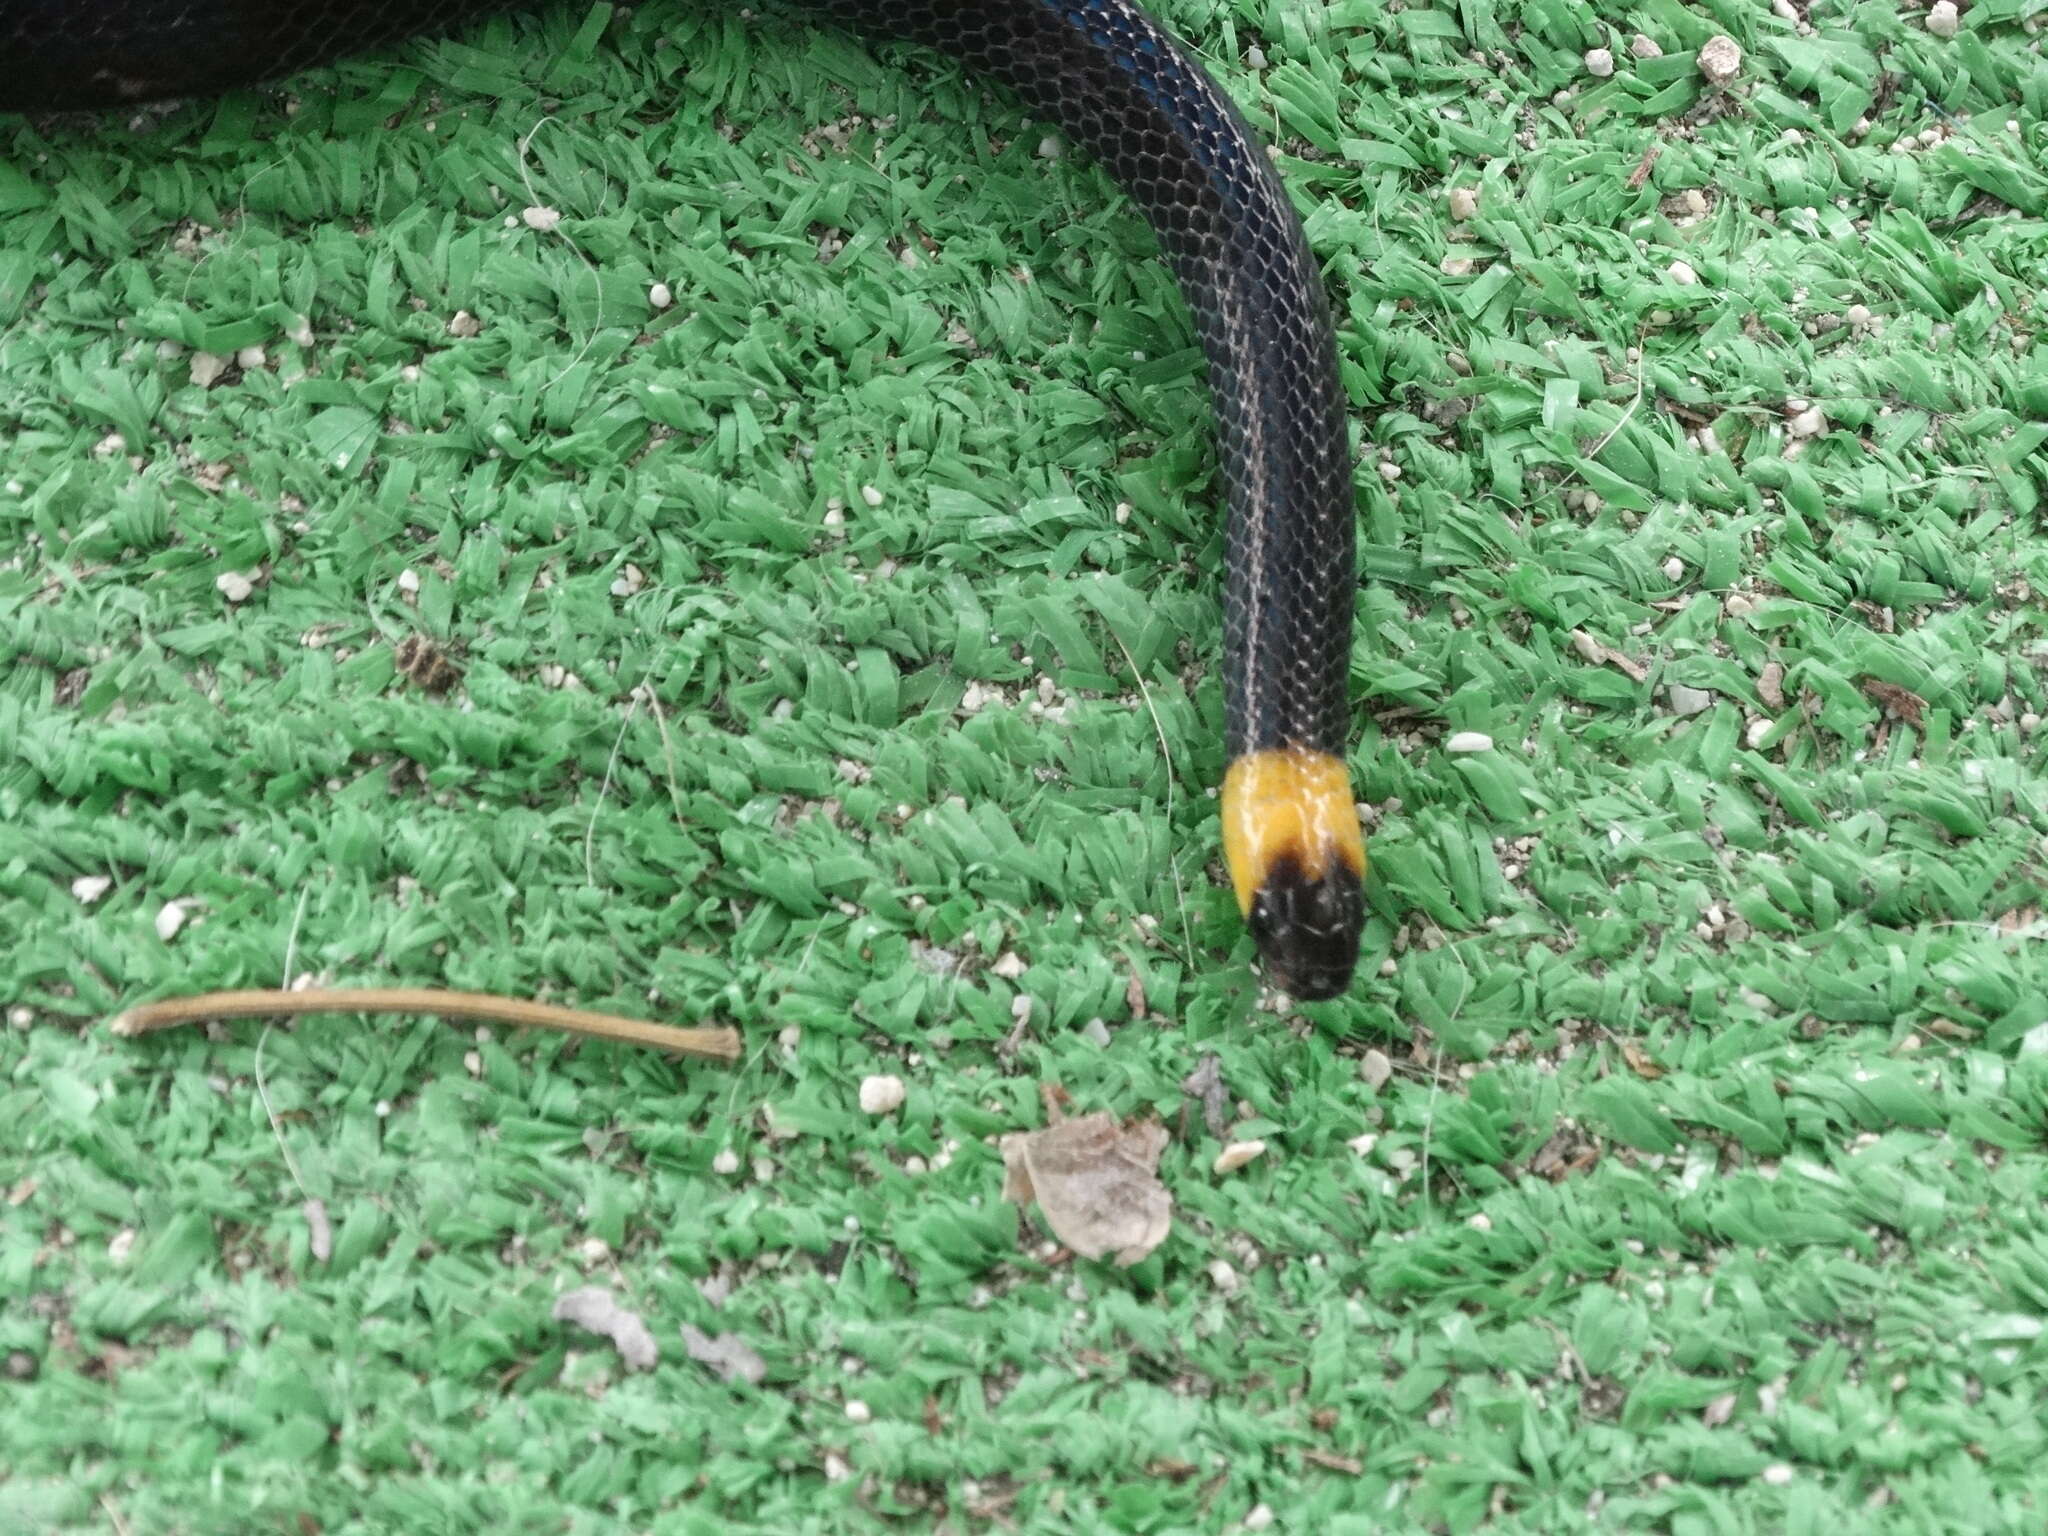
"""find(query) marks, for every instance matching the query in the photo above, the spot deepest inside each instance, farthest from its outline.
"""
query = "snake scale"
(1107, 76)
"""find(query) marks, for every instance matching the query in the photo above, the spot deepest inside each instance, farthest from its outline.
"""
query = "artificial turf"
(839, 659)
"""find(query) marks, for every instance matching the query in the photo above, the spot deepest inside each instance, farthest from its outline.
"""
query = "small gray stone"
(1688, 701)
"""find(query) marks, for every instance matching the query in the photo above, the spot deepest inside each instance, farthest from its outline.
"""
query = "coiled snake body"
(1107, 76)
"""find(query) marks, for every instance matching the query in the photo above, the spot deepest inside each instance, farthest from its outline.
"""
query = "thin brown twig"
(722, 1045)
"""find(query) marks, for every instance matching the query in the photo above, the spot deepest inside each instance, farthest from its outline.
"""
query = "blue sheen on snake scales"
(1107, 76)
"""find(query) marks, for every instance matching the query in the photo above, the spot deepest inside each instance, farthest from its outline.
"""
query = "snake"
(1112, 80)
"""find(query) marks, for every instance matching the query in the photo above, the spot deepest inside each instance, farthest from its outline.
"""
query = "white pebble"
(1674, 568)
(90, 888)
(1237, 1154)
(1222, 1276)
(661, 295)
(409, 582)
(1777, 1474)
(881, 1095)
(1375, 1068)
(871, 494)
(1720, 59)
(1807, 423)
(541, 219)
(1469, 741)
(1689, 701)
(233, 586)
(170, 917)
(1644, 46)
(1681, 272)
(1599, 63)
(727, 1161)
(1464, 202)
(1259, 1517)
(1942, 18)
(858, 1411)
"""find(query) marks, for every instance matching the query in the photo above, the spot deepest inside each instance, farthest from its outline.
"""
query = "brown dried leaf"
(1902, 702)
(1639, 1061)
(1134, 996)
(1770, 685)
(1205, 1083)
(425, 665)
(1621, 661)
(592, 1309)
(1096, 1182)
(1332, 1461)
(1599, 652)
(1644, 166)
(319, 1232)
(731, 1357)
(2019, 919)
(1567, 1152)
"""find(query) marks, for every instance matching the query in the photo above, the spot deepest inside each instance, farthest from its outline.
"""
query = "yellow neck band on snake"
(1107, 76)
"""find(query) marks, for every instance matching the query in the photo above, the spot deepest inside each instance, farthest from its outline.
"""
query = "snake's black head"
(1307, 928)
(1297, 861)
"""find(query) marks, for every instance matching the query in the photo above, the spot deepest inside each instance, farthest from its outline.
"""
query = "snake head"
(1307, 928)
(1297, 861)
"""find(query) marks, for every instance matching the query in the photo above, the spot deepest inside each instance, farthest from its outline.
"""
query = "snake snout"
(1307, 931)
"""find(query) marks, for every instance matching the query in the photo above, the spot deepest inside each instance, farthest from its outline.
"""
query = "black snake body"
(1112, 80)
